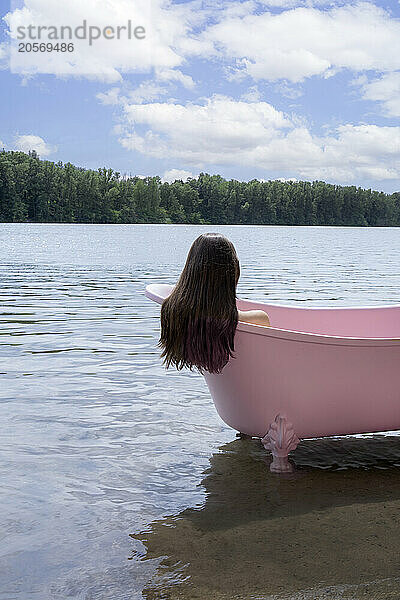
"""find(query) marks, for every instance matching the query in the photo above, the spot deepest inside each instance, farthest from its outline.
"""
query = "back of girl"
(199, 318)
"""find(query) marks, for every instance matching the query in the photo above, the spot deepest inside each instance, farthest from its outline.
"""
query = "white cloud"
(293, 3)
(175, 175)
(110, 97)
(175, 75)
(299, 43)
(25, 143)
(153, 89)
(386, 90)
(2, 145)
(221, 124)
(253, 94)
(227, 132)
(105, 59)
(250, 38)
(289, 91)
(279, 3)
(147, 91)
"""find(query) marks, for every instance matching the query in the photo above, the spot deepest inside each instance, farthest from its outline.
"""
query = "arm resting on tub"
(257, 317)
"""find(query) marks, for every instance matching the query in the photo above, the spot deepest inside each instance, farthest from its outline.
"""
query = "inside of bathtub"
(359, 322)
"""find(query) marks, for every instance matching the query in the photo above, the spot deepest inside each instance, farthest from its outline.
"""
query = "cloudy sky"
(304, 89)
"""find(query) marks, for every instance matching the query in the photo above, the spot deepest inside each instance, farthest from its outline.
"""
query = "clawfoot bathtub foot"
(281, 464)
(280, 439)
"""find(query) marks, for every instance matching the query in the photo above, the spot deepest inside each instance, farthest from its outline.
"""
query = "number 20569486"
(45, 47)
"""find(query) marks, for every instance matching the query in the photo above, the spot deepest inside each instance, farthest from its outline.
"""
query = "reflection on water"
(330, 530)
(98, 442)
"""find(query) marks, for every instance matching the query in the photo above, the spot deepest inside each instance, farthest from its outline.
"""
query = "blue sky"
(281, 89)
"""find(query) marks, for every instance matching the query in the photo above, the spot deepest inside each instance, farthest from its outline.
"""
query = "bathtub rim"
(152, 290)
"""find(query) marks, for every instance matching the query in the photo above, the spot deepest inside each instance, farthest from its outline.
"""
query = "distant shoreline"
(39, 191)
(206, 225)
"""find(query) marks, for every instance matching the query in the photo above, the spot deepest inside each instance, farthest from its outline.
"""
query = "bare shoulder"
(257, 317)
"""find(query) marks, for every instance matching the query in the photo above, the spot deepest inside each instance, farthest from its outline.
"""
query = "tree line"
(41, 191)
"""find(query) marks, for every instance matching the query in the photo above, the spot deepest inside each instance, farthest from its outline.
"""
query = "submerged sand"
(329, 531)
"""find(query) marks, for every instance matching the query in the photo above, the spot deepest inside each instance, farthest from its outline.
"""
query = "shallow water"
(330, 530)
(120, 481)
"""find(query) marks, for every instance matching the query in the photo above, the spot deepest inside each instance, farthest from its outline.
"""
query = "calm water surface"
(118, 478)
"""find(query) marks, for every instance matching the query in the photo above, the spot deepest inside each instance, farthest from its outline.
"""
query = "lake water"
(118, 479)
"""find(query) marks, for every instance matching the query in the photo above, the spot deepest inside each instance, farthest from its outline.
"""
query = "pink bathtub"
(315, 372)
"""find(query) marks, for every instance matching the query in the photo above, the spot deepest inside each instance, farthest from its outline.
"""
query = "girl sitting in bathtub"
(199, 318)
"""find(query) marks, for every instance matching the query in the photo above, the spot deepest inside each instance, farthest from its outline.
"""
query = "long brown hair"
(199, 318)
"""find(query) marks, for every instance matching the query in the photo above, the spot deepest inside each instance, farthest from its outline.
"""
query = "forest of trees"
(40, 191)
